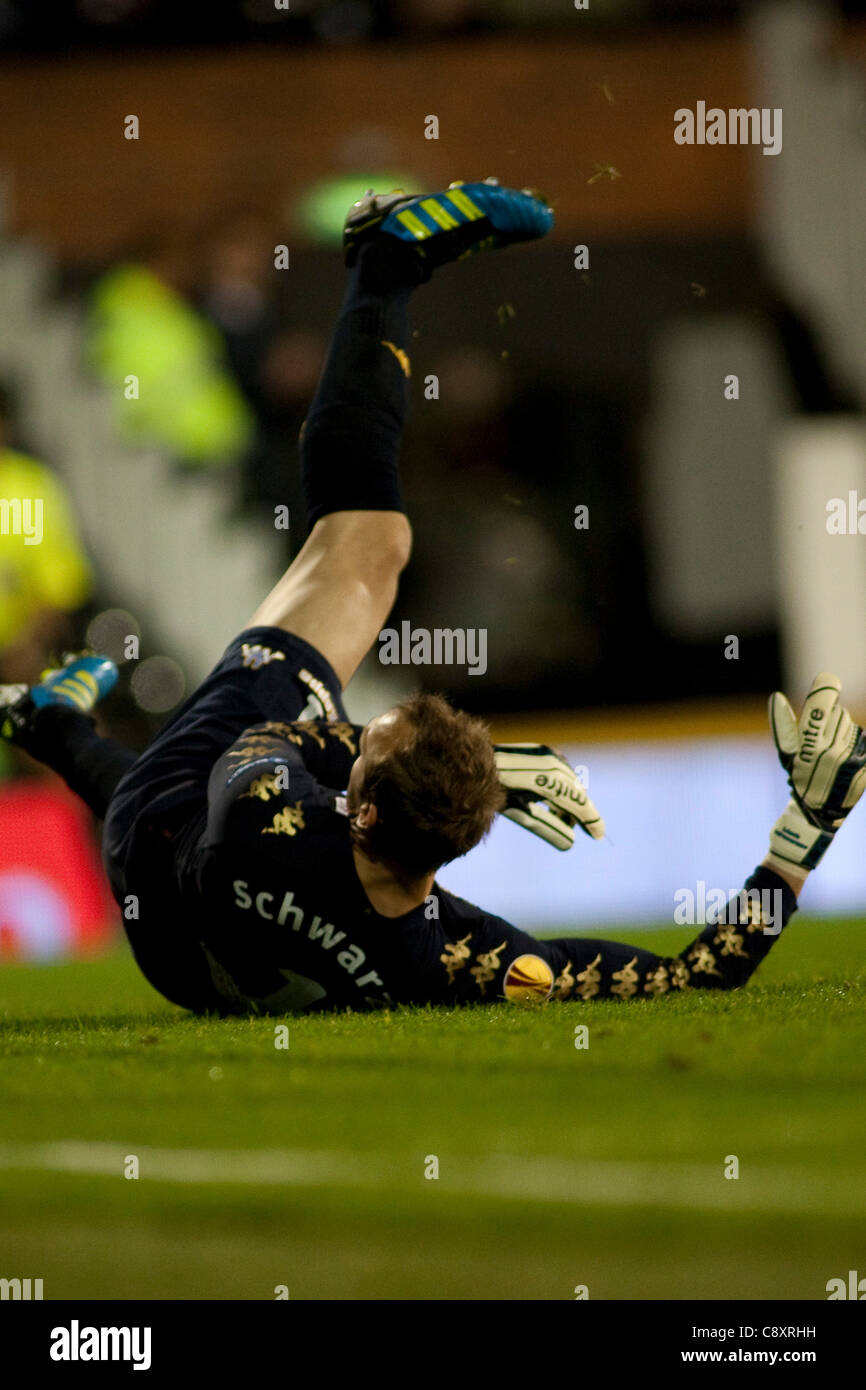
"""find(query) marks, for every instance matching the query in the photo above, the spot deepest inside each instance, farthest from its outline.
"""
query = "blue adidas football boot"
(81, 682)
(442, 227)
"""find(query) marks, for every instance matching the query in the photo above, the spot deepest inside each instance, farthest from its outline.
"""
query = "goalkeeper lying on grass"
(270, 856)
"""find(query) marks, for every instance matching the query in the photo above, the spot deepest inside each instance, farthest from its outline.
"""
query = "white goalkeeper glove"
(824, 755)
(545, 794)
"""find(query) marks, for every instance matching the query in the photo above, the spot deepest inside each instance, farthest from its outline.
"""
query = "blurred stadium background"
(559, 386)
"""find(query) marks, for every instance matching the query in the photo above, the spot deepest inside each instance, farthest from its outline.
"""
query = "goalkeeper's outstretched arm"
(824, 754)
(794, 883)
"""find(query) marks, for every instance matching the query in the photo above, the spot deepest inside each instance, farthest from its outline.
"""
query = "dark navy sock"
(350, 441)
(66, 741)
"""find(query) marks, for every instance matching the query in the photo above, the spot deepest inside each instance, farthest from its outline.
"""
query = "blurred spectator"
(142, 325)
(236, 294)
(276, 366)
(44, 577)
(289, 373)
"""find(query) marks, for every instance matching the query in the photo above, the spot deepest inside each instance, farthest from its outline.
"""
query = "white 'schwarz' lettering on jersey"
(325, 934)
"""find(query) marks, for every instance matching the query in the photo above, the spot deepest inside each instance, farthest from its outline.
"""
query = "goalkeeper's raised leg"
(340, 589)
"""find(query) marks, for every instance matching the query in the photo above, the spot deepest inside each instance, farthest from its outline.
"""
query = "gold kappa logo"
(487, 966)
(259, 741)
(702, 959)
(680, 974)
(255, 655)
(731, 942)
(252, 745)
(286, 822)
(589, 980)
(302, 727)
(345, 733)
(564, 983)
(627, 980)
(455, 956)
(264, 787)
(754, 915)
(338, 729)
(657, 983)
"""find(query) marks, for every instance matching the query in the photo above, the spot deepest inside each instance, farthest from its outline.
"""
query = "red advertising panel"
(54, 898)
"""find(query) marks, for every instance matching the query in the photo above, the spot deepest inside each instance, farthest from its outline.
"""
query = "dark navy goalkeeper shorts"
(264, 674)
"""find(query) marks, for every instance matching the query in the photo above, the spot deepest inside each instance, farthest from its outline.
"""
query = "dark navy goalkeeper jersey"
(286, 922)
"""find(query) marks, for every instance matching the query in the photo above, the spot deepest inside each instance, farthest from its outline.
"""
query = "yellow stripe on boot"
(414, 225)
(440, 215)
(465, 204)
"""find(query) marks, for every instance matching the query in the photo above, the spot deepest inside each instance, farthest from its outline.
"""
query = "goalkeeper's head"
(424, 788)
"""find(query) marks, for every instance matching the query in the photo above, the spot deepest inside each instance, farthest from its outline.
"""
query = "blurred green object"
(185, 397)
(321, 211)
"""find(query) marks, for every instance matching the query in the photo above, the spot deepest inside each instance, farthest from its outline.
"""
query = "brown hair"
(436, 794)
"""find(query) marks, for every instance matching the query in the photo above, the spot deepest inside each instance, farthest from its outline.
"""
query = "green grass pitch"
(558, 1166)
